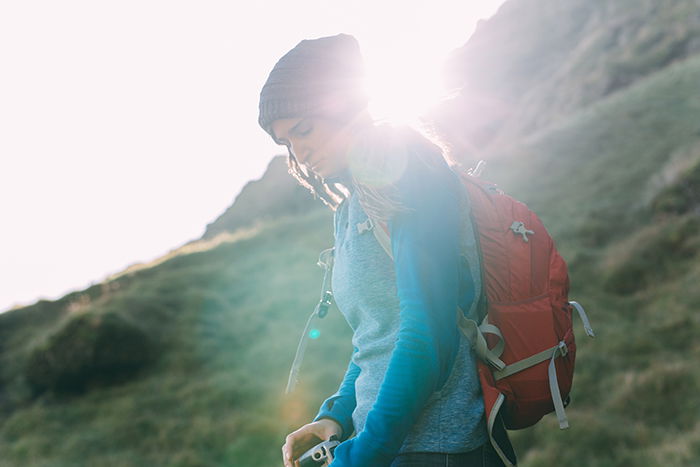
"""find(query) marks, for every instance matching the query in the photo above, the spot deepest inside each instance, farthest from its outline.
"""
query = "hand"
(306, 437)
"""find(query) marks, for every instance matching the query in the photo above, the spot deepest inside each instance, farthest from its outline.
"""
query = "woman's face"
(320, 144)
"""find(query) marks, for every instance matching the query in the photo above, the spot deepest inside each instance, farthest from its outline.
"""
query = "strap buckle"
(563, 348)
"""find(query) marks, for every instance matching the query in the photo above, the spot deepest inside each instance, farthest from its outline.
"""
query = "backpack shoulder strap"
(381, 233)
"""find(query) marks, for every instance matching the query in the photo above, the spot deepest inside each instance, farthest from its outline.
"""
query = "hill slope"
(617, 182)
(254, 203)
(538, 61)
(221, 320)
(636, 264)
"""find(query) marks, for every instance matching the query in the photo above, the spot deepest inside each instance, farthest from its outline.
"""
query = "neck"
(344, 178)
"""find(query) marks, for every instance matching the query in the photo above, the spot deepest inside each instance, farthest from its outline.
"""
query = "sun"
(402, 87)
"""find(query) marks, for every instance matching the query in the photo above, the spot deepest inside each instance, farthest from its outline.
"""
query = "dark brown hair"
(377, 160)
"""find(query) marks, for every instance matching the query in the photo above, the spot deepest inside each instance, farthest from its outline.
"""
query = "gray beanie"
(317, 77)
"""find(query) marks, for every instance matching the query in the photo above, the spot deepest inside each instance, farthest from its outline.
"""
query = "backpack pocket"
(531, 345)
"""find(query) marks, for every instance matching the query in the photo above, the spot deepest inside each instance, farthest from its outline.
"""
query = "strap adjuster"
(563, 349)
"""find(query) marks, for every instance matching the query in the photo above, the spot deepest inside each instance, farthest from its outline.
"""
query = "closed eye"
(303, 128)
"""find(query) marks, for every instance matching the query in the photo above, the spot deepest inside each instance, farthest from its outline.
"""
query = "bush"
(681, 197)
(658, 253)
(661, 396)
(89, 348)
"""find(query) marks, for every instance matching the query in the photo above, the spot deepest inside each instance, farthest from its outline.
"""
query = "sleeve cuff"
(361, 452)
(338, 414)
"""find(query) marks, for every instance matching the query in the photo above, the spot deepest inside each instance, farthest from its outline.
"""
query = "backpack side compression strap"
(475, 335)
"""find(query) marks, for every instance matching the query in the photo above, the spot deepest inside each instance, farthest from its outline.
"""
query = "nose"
(298, 152)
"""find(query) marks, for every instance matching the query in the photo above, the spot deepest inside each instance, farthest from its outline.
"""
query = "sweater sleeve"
(425, 244)
(339, 406)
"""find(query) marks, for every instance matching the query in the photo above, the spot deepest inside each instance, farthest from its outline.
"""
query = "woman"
(410, 394)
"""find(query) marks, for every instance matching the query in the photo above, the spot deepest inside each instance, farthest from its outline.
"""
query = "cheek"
(330, 143)
(325, 147)
(338, 142)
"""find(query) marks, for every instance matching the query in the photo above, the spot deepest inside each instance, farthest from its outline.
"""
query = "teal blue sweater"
(403, 358)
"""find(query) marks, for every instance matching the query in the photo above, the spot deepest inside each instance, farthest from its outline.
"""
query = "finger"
(296, 447)
(286, 457)
(289, 445)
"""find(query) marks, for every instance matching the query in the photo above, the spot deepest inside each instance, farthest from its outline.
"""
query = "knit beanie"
(318, 77)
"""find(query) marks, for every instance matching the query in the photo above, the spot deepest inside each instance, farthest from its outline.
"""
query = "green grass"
(227, 322)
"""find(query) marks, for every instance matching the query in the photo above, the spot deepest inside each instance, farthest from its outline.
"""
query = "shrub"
(88, 348)
(661, 396)
(681, 197)
(658, 253)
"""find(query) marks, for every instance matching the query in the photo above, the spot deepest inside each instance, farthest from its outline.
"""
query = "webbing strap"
(584, 318)
(490, 424)
(554, 388)
(530, 361)
(533, 360)
(487, 328)
(473, 333)
(382, 236)
(550, 354)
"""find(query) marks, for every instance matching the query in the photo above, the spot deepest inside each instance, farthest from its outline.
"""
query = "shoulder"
(383, 153)
(427, 178)
(397, 167)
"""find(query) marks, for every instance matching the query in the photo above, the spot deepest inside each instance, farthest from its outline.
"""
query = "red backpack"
(525, 343)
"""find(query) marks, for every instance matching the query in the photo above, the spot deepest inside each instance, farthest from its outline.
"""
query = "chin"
(325, 174)
(325, 170)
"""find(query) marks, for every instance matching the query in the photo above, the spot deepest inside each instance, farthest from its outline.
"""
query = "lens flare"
(403, 86)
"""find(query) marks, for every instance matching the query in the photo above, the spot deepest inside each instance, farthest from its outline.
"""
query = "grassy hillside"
(617, 185)
(225, 323)
(254, 203)
(617, 182)
(538, 61)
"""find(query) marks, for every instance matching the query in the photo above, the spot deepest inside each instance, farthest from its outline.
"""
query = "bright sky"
(126, 127)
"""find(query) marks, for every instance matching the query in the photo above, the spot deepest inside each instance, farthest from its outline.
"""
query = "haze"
(126, 127)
